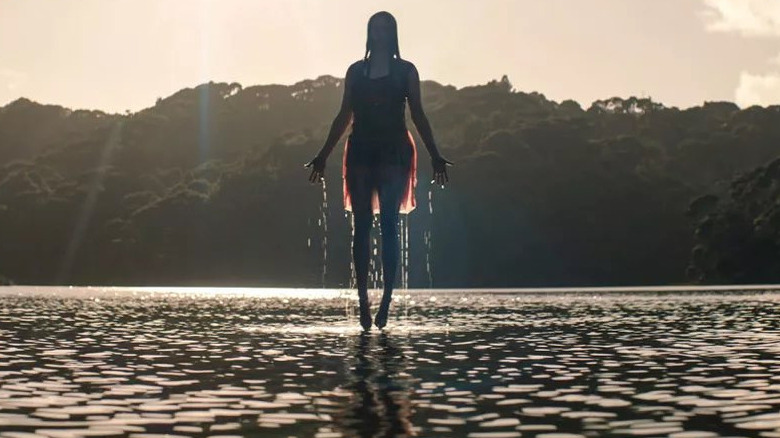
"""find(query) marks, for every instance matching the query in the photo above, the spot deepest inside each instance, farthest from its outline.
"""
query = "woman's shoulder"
(406, 65)
(408, 69)
(405, 62)
(354, 66)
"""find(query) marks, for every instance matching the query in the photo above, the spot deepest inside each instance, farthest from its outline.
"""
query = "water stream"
(375, 281)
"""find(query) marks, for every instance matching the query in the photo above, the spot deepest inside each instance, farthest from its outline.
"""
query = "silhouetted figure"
(380, 157)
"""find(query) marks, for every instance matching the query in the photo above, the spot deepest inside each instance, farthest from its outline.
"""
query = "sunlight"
(85, 214)
(249, 292)
(205, 34)
(350, 328)
(205, 76)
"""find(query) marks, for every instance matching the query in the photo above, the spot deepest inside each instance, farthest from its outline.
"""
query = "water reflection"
(88, 362)
(380, 403)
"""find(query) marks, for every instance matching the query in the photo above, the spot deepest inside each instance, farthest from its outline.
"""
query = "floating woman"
(380, 156)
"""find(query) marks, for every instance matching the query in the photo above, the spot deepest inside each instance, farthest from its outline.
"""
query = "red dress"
(379, 135)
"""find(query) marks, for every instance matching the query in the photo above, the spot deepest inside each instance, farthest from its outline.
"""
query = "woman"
(380, 155)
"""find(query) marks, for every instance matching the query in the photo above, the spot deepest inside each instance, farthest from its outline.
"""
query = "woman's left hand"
(440, 164)
(317, 169)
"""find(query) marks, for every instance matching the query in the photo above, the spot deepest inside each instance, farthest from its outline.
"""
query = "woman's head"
(382, 34)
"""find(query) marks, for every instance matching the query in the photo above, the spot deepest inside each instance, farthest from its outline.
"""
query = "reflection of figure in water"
(380, 155)
(380, 406)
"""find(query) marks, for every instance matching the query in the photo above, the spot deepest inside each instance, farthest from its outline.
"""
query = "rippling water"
(203, 362)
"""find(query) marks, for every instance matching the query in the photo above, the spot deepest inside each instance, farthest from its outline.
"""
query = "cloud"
(751, 18)
(761, 90)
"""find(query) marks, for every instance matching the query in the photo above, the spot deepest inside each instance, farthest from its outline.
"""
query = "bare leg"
(391, 187)
(361, 250)
(359, 184)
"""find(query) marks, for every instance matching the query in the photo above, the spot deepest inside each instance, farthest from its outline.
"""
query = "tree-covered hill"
(207, 187)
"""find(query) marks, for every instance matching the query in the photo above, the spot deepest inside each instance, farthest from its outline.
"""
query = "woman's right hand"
(440, 169)
(317, 169)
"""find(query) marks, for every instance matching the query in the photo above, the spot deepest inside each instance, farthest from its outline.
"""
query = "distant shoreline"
(323, 293)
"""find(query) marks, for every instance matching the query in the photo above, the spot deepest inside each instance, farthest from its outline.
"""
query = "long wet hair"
(394, 51)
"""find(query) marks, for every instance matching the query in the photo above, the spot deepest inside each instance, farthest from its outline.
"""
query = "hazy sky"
(116, 55)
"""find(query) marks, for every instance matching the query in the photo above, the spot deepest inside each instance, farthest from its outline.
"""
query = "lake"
(547, 363)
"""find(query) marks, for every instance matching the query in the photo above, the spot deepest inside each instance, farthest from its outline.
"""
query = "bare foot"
(365, 315)
(381, 315)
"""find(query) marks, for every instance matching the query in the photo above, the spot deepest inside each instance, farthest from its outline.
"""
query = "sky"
(120, 55)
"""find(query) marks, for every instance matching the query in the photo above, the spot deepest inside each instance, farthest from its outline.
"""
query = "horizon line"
(513, 90)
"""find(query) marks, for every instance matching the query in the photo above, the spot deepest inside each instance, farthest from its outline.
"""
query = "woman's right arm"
(337, 128)
(343, 118)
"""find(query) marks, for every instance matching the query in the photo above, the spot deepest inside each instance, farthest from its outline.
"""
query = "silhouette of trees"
(206, 187)
(738, 234)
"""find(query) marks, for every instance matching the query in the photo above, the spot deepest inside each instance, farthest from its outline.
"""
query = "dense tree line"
(207, 187)
(737, 234)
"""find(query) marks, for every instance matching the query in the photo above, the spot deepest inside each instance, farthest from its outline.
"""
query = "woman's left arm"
(424, 127)
(418, 115)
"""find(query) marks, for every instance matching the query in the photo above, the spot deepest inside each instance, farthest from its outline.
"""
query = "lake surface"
(282, 362)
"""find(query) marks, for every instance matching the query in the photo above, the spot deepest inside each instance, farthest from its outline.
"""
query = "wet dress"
(379, 136)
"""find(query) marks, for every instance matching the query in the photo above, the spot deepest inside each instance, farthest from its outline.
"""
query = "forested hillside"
(207, 187)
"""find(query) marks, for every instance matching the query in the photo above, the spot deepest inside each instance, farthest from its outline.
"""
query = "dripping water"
(352, 275)
(348, 308)
(323, 222)
(374, 274)
(376, 261)
(308, 227)
(427, 237)
(404, 235)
